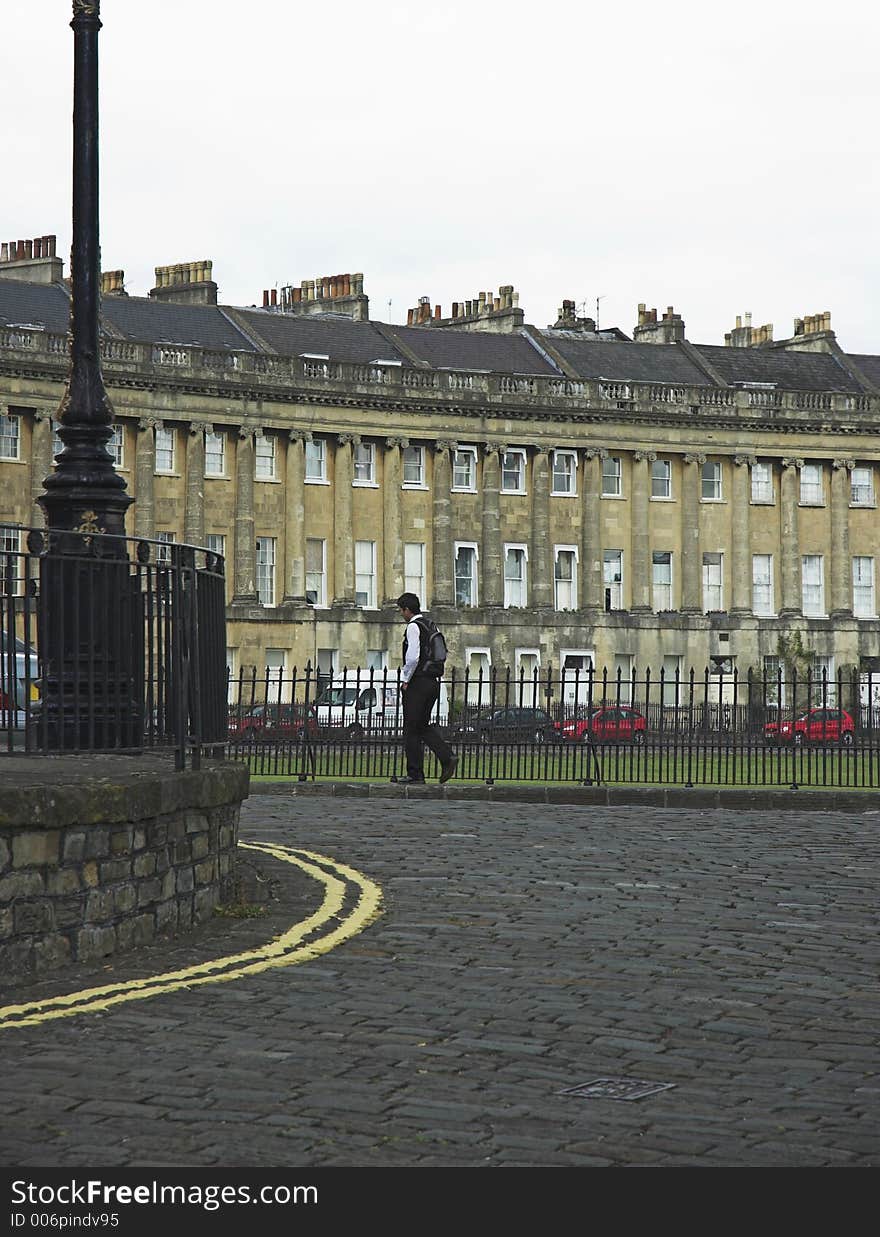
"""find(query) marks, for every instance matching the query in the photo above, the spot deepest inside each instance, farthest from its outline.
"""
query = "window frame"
(471, 452)
(613, 584)
(612, 474)
(572, 583)
(10, 419)
(416, 583)
(520, 454)
(869, 500)
(367, 465)
(806, 487)
(520, 549)
(861, 588)
(667, 497)
(769, 584)
(315, 453)
(716, 481)
(372, 590)
(266, 568)
(420, 483)
(570, 473)
(320, 601)
(10, 543)
(757, 494)
(265, 457)
(657, 585)
(709, 585)
(820, 586)
(458, 546)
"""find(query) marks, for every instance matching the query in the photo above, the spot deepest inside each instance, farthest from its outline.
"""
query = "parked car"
(507, 725)
(607, 724)
(20, 689)
(268, 723)
(814, 726)
(354, 709)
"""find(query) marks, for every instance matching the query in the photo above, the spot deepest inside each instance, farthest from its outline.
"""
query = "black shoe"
(447, 770)
(410, 781)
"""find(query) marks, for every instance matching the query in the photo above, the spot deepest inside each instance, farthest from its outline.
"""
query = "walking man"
(421, 690)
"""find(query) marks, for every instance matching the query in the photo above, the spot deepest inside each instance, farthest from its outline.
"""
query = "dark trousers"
(419, 699)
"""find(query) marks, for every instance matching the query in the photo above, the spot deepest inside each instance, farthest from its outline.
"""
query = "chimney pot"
(437, 313)
(265, 297)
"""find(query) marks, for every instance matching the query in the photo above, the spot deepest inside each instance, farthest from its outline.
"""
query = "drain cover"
(617, 1088)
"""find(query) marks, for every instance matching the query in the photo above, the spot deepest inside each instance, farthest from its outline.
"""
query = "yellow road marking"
(284, 950)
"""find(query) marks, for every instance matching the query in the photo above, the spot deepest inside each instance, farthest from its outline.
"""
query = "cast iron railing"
(571, 727)
(134, 658)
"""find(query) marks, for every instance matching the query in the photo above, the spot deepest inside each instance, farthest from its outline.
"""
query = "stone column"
(295, 516)
(541, 571)
(194, 515)
(393, 549)
(592, 591)
(244, 584)
(640, 540)
(144, 472)
(41, 463)
(740, 536)
(841, 563)
(442, 549)
(491, 553)
(343, 526)
(691, 560)
(792, 599)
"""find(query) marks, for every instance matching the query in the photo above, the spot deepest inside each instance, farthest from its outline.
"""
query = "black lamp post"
(88, 616)
(85, 493)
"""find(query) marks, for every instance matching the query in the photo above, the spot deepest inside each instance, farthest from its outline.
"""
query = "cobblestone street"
(522, 950)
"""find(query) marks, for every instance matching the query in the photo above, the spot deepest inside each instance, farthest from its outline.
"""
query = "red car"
(814, 726)
(268, 723)
(610, 724)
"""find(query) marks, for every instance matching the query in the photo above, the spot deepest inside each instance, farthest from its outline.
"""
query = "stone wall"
(110, 853)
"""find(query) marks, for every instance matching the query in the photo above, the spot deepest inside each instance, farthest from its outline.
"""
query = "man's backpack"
(433, 651)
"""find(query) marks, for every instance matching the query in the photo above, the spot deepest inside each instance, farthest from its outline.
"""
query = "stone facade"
(690, 509)
(96, 865)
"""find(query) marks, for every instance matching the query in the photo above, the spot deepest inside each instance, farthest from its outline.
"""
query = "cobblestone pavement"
(522, 951)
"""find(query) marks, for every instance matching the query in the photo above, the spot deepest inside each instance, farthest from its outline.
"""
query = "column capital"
(198, 427)
(445, 444)
(592, 452)
(150, 423)
(848, 464)
(396, 442)
(650, 456)
(792, 461)
(41, 414)
(541, 448)
(345, 440)
(248, 431)
(491, 448)
(749, 460)
(694, 457)
(298, 435)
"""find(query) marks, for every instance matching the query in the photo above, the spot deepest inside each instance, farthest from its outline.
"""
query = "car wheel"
(639, 738)
(798, 739)
(355, 731)
(847, 738)
(539, 737)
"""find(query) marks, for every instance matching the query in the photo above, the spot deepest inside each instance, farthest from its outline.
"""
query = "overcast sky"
(717, 157)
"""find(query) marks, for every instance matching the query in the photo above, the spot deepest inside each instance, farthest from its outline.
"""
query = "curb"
(776, 799)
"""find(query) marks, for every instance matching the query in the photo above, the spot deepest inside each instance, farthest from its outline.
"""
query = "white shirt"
(413, 649)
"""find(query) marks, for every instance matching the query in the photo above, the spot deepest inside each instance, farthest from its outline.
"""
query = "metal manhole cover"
(617, 1088)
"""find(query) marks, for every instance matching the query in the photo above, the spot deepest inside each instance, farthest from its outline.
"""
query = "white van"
(354, 707)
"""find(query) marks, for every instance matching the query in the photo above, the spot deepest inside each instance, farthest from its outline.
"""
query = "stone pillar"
(841, 563)
(491, 552)
(740, 536)
(691, 560)
(442, 550)
(144, 473)
(295, 516)
(640, 541)
(593, 588)
(792, 599)
(343, 523)
(41, 463)
(393, 548)
(194, 515)
(244, 583)
(541, 549)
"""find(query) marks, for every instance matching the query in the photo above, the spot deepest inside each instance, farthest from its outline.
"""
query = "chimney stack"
(31, 261)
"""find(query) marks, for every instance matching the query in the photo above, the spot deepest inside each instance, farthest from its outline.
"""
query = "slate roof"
(869, 366)
(624, 362)
(34, 304)
(446, 348)
(791, 371)
(342, 339)
(139, 318)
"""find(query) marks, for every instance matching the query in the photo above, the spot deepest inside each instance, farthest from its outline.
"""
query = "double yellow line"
(300, 943)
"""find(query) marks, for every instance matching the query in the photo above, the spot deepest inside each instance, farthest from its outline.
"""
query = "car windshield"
(338, 696)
